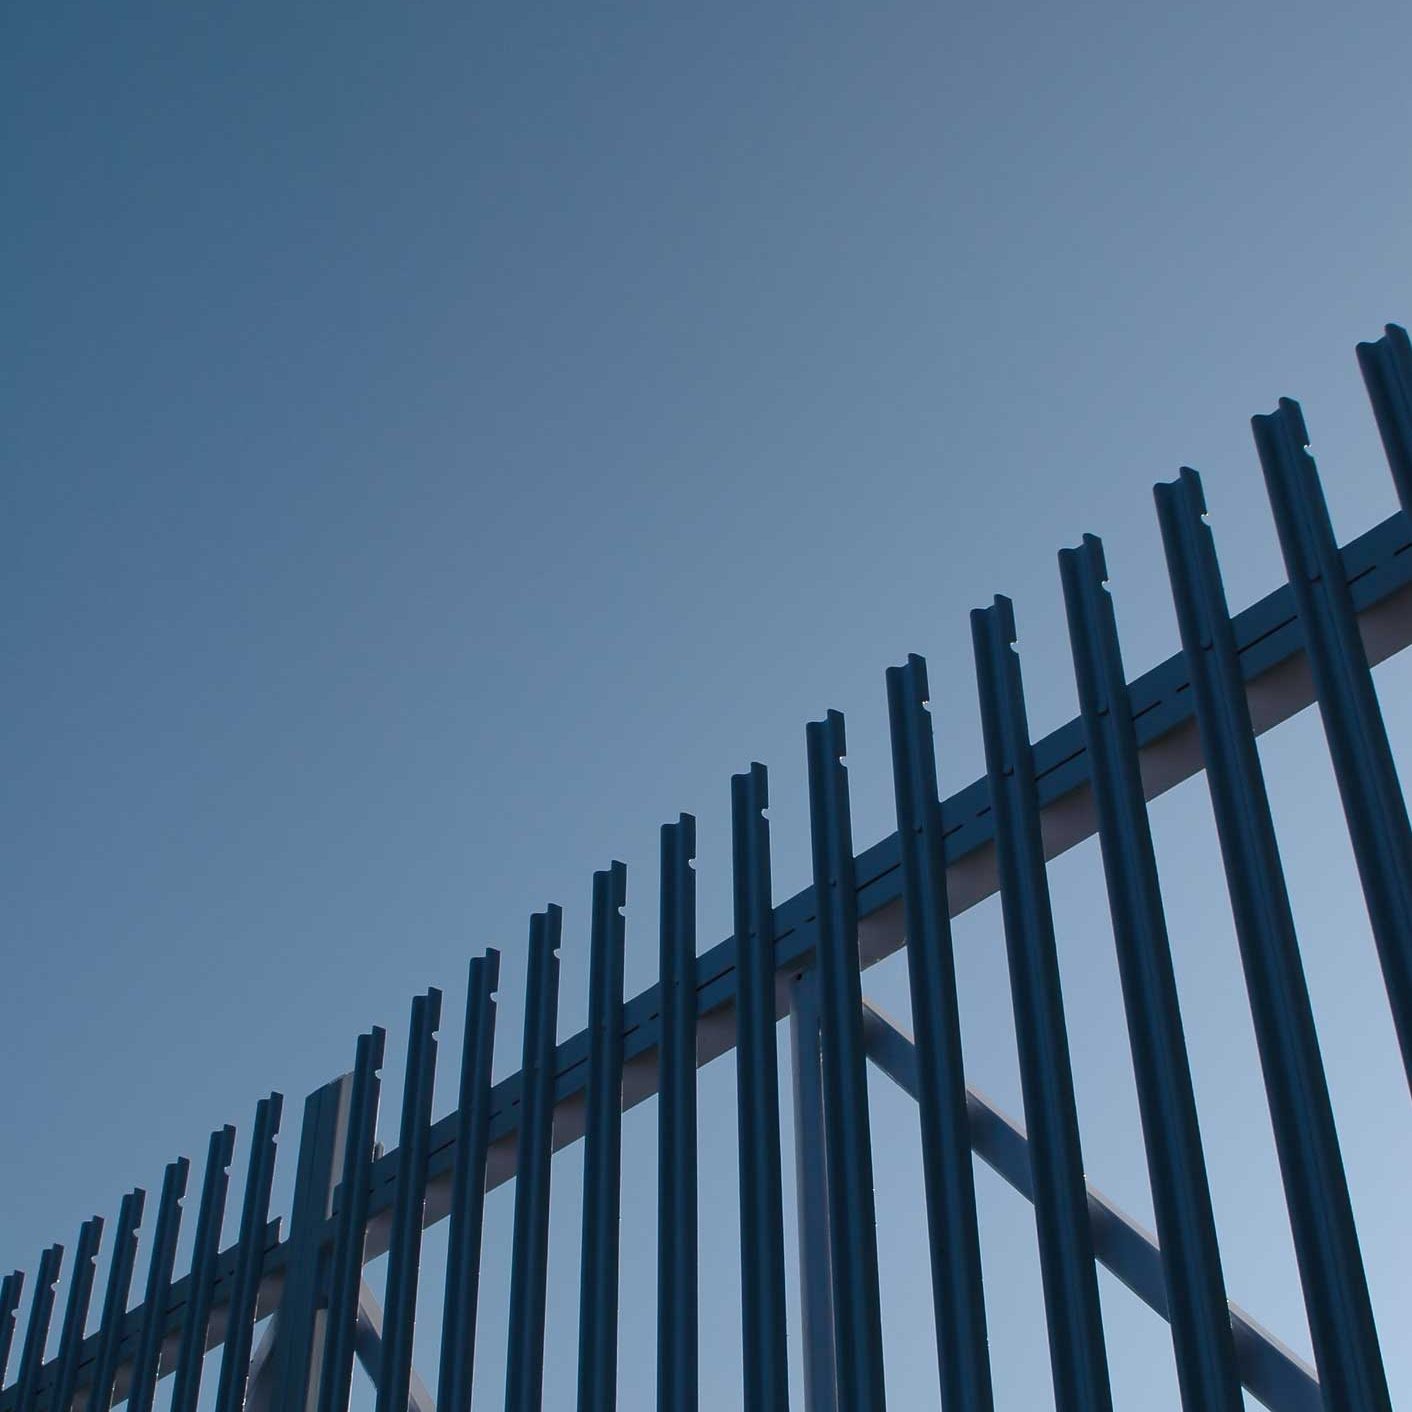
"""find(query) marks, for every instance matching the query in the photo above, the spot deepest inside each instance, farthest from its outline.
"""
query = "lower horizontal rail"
(1268, 1369)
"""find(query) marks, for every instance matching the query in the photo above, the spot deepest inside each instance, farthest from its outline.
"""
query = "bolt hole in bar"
(37, 1331)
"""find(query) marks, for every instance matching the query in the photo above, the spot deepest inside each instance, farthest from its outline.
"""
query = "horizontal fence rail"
(1313, 640)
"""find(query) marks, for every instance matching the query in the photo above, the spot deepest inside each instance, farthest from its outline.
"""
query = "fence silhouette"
(1311, 640)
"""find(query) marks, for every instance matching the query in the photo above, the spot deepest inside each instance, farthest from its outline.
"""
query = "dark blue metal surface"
(85, 1269)
(458, 1323)
(762, 1289)
(110, 1328)
(524, 1378)
(853, 1249)
(1181, 1197)
(405, 1251)
(1348, 703)
(143, 1386)
(1077, 1357)
(250, 1257)
(1387, 372)
(603, 1147)
(351, 1224)
(191, 1353)
(963, 1355)
(1316, 1190)
(41, 1310)
(677, 1329)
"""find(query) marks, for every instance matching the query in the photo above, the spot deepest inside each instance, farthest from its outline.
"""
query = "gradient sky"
(445, 442)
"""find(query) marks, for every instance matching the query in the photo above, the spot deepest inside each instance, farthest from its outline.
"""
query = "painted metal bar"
(812, 1196)
(143, 1386)
(524, 1377)
(41, 1311)
(1077, 1357)
(1387, 373)
(463, 1258)
(762, 1276)
(245, 1288)
(953, 1234)
(350, 1224)
(11, 1288)
(369, 1347)
(1181, 1195)
(853, 1247)
(85, 1270)
(1362, 757)
(297, 1353)
(1270, 1371)
(191, 1352)
(678, 1334)
(405, 1251)
(1316, 1189)
(603, 1147)
(110, 1328)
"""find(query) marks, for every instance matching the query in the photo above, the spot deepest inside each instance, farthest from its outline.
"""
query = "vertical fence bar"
(250, 1257)
(110, 1328)
(603, 1147)
(677, 1326)
(351, 1225)
(1387, 374)
(853, 1253)
(1348, 703)
(1181, 1195)
(41, 1311)
(191, 1355)
(409, 1201)
(90, 1237)
(297, 1351)
(159, 1286)
(1316, 1190)
(762, 1274)
(524, 1378)
(963, 1356)
(11, 1288)
(463, 1256)
(1077, 1357)
(812, 1195)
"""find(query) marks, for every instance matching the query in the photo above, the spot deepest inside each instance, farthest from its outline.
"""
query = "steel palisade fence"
(1312, 640)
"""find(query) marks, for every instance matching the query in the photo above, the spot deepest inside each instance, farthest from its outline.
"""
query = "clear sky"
(443, 442)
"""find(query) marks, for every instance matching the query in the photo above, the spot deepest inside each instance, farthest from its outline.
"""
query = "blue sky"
(446, 442)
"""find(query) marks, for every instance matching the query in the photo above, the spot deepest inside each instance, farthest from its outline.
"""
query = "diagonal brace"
(1269, 1370)
(367, 1348)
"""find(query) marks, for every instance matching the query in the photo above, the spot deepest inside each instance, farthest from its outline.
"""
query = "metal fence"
(1201, 710)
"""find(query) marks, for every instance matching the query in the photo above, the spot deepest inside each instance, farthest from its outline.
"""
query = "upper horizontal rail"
(1275, 671)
